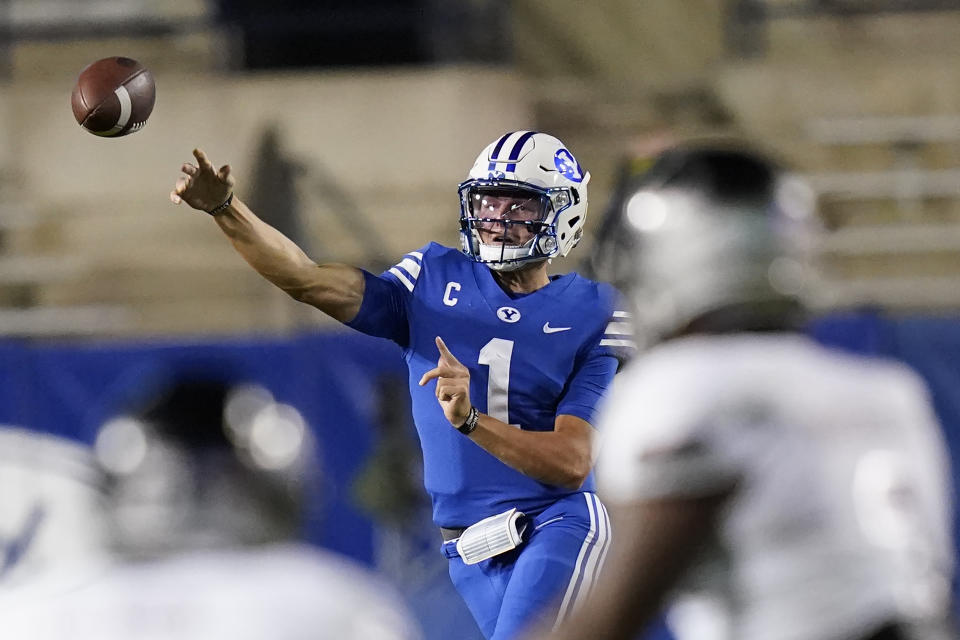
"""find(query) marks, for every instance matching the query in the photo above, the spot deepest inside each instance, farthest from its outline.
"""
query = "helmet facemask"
(506, 224)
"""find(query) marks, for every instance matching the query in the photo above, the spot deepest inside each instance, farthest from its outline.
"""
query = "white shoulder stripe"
(402, 278)
(621, 314)
(410, 266)
(416, 254)
(620, 329)
(607, 342)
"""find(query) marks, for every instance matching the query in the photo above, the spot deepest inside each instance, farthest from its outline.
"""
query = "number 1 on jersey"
(496, 354)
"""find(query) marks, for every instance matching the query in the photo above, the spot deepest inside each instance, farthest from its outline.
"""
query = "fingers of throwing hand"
(203, 161)
(189, 169)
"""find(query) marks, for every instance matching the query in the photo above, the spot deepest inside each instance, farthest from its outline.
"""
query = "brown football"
(113, 97)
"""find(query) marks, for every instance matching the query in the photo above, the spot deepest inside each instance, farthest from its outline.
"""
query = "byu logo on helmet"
(508, 314)
(568, 166)
(496, 175)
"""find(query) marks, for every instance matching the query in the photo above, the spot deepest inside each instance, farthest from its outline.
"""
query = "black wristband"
(226, 203)
(470, 423)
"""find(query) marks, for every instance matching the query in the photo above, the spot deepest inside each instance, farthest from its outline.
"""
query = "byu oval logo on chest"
(508, 314)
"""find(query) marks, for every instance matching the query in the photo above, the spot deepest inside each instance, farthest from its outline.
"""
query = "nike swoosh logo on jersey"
(548, 329)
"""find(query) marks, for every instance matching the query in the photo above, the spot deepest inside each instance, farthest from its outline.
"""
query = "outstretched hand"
(202, 186)
(453, 385)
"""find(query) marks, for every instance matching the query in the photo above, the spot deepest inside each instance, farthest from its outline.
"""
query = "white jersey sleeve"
(661, 435)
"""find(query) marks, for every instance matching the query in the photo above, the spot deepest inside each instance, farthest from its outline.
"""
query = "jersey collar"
(497, 297)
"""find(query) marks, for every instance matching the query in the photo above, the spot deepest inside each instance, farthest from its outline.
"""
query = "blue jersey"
(531, 358)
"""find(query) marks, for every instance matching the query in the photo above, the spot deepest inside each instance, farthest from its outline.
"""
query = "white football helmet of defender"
(549, 188)
(712, 229)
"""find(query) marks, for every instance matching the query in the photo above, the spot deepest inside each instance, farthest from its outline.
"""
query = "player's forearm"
(334, 289)
(548, 456)
(269, 252)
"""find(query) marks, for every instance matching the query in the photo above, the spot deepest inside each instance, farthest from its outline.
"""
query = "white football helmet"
(525, 200)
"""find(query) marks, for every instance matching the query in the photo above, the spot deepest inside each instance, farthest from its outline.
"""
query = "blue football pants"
(545, 577)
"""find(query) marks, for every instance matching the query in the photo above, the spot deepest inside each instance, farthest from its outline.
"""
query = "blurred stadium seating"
(860, 96)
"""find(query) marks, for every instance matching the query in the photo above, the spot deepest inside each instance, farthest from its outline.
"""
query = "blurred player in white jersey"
(51, 506)
(764, 487)
(206, 493)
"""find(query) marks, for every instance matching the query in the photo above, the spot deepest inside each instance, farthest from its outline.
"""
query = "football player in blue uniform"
(506, 367)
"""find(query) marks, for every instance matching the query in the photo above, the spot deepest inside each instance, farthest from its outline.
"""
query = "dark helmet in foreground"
(204, 463)
(711, 238)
